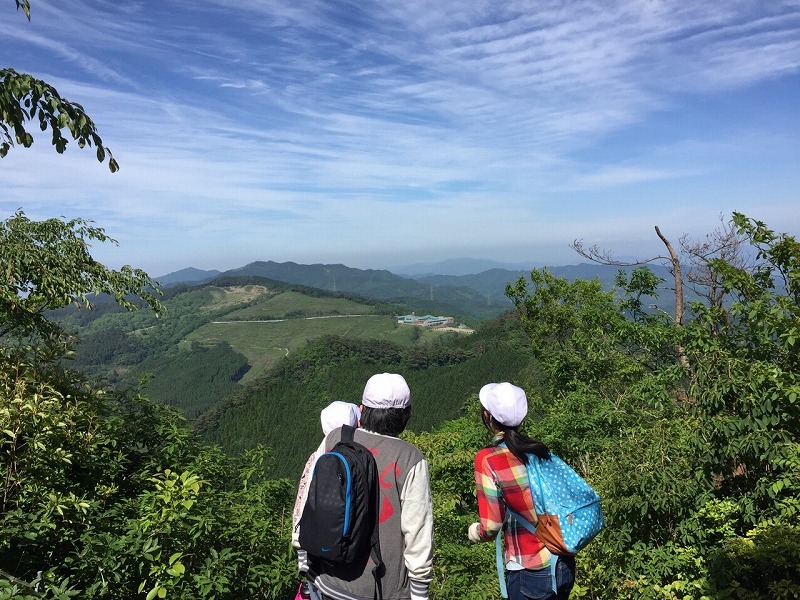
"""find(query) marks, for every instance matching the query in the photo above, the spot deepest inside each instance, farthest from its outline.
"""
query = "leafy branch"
(23, 99)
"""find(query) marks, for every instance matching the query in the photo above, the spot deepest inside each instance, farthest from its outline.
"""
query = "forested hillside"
(687, 428)
(281, 408)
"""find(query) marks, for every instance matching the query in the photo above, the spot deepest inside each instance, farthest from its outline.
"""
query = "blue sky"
(379, 134)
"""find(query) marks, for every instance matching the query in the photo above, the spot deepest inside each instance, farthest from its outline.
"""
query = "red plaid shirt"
(502, 480)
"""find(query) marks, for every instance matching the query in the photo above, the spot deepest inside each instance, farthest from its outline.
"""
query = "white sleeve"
(299, 502)
(302, 494)
(416, 523)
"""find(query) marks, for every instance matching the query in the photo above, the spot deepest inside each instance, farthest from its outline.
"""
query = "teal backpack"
(567, 507)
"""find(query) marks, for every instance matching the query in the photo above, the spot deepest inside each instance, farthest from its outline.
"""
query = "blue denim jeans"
(538, 585)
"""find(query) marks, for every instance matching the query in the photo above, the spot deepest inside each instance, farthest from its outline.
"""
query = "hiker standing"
(501, 481)
(405, 511)
(336, 414)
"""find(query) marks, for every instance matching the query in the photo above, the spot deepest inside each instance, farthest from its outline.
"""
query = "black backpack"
(339, 525)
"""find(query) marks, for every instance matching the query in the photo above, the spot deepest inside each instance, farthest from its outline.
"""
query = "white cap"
(386, 390)
(339, 413)
(505, 402)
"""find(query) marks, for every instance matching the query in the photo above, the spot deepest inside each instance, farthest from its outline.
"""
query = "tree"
(23, 98)
(698, 464)
(725, 244)
(47, 265)
(746, 381)
(577, 327)
(104, 494)
(604, 257)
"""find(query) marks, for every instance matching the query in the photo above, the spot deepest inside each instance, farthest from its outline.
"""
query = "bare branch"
(604, 257)
(723, 243)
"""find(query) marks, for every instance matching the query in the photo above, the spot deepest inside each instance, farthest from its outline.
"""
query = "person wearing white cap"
(336, 414)
(501, 482)
(339, 413)
(406, 513)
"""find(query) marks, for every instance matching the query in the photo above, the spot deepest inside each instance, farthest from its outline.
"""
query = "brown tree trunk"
(676, 270)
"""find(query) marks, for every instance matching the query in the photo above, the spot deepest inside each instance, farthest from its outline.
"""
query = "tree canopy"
(47, 265)
(25, 99)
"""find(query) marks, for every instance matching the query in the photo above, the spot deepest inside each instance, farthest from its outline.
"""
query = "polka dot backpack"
(568, 508)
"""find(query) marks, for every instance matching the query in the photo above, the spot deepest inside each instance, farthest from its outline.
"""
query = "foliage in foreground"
(24, 99)
(105, 494)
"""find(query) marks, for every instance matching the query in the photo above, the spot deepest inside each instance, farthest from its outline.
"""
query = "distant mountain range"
(473, 293)
(452, 267)
(188, 275)
(458, 267)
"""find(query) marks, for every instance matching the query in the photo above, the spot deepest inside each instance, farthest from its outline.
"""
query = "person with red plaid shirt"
(501, 482)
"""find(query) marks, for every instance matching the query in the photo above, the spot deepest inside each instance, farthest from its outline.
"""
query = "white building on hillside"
(425, 321)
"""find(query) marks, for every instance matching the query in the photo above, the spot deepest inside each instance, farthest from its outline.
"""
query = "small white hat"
(339, 413)
(386, 390)
(505, 402)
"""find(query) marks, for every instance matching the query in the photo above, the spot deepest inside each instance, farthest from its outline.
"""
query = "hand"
(474, 533)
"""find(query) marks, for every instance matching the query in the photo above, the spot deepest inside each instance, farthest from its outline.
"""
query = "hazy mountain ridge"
(188, 275)
(459, 266)
(477, 294)
(492, 283)
(459, 301)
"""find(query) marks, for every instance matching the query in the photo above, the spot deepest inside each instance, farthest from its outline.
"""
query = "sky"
(379, 134)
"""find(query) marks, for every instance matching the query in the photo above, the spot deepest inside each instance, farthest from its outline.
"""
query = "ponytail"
(520, 445)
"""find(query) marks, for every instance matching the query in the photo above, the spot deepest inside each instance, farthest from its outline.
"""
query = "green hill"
(280, 409)
(216, 337)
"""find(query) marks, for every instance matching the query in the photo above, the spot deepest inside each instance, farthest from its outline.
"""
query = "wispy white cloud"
(621, 176)
(272, 121)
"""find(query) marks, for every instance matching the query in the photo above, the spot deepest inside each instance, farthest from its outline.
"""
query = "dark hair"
(519, 444)
(386, 421)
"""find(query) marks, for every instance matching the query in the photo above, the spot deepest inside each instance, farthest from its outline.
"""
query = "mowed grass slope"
(291, 303)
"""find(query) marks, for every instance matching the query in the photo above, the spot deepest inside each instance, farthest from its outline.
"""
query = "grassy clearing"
(263, 342)
(221, 297)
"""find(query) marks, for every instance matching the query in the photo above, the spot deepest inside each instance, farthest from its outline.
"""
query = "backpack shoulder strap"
(347, 433)
(510, 514)
(498, 547)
